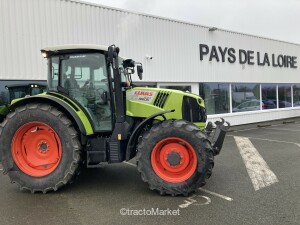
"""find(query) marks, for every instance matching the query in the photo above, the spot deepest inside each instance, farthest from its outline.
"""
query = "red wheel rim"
(36, 149)
(174, 160)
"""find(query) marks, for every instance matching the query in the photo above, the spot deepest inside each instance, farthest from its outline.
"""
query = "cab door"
(85, 78)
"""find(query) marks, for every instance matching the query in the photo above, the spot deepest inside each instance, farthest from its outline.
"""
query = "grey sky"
(278, 19)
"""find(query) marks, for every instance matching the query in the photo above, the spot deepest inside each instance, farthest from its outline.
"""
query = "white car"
(247, 106)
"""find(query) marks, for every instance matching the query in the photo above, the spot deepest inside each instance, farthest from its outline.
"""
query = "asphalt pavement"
(256, 180)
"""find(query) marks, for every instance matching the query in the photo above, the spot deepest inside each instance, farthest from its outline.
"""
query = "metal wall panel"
(29, 25)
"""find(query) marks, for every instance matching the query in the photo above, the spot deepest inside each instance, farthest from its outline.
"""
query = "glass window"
(53, 73)
(19, 92)
(3, 97)
(180, 88)
(85, 78)
(284, 95)
(100, 74)
(38, 90)
(296, 95)
(269, 96)
(141, 84)
(245, 97)
(216, 97)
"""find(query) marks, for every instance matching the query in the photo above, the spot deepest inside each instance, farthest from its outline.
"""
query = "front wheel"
(40, 148)
(175, 158)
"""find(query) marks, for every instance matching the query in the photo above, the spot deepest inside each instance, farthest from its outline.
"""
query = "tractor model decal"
(141, 96)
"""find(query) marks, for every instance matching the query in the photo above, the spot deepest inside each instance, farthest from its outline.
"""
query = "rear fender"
(73, 111)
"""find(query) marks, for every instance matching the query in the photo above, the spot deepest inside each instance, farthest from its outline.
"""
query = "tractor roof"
(75, 47)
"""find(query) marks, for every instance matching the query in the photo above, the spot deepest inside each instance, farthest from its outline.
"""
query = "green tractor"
(92, 114)
(16, 91)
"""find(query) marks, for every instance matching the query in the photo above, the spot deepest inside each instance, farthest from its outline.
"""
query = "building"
(243, 78)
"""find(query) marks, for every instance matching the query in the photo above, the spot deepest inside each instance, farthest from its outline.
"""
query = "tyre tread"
(155, 183)
(72, 171)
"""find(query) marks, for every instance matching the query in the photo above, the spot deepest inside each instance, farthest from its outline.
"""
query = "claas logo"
(144, 93)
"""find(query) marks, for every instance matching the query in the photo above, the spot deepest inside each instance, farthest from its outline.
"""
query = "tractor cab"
(22, 90)
(92, 77)
(17, 91)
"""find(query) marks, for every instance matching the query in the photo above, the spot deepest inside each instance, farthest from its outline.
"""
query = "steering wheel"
(86, 83)
(98, 90)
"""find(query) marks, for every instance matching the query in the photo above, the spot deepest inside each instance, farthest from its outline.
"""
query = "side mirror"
(128, 63)
(140, 70)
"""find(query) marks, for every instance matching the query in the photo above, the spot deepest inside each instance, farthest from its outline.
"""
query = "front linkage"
(217, 136)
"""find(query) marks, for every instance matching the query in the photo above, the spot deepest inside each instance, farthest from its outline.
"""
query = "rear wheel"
(40, 148)
(175, 158)
(36, 149)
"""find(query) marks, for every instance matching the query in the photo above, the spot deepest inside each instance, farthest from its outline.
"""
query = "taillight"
(264, 106)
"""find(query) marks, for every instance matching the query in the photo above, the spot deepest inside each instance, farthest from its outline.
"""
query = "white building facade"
(243, 78)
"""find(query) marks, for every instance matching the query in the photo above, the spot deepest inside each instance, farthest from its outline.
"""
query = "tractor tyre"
(175, 158)
(40, 148)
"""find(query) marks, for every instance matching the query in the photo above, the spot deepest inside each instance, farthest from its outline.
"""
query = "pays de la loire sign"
(242, 56)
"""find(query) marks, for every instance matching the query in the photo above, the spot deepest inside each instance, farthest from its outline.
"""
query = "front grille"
(161, 98)
(192, 111)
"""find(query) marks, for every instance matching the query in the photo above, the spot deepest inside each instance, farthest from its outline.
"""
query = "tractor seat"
(71, 83)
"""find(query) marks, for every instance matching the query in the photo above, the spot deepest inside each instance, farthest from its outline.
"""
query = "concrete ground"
(256, 180)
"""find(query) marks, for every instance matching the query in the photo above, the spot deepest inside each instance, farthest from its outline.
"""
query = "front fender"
(133, 140)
